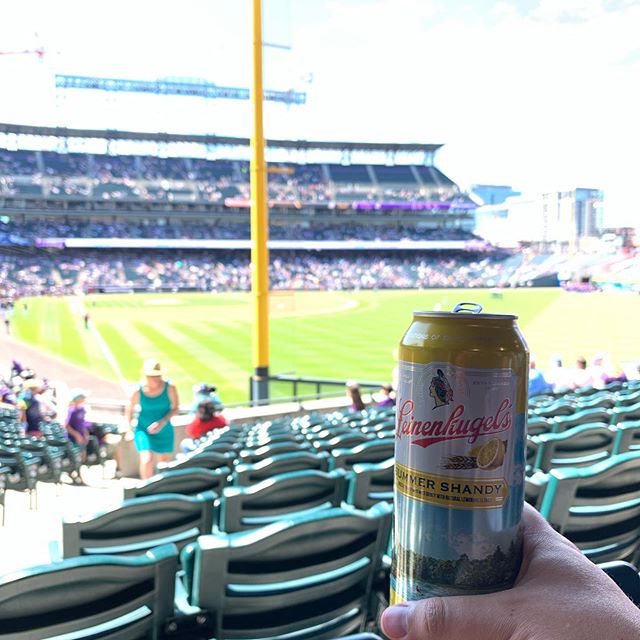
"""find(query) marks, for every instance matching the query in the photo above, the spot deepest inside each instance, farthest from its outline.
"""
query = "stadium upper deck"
(44, 178)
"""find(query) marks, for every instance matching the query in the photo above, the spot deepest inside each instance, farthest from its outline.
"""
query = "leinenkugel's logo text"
(457, 426)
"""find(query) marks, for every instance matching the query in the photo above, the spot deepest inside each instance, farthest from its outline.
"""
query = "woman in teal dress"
(157, 399)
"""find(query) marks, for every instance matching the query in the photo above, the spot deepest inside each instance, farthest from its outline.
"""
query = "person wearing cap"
(157, 400)
(208, 417)
(30, 408)
(75, 424)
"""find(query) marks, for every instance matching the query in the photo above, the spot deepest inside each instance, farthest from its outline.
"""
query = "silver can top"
(464, 309)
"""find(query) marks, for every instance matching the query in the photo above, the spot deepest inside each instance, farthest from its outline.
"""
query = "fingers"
(452, 618)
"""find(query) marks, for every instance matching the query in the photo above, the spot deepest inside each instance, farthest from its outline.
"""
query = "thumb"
(481, 617)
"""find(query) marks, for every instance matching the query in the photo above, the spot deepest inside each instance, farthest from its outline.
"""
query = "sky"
(537, 94)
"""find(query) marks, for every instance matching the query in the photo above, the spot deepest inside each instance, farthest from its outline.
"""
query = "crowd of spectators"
(220, 230)
(557, 378)
(105, 177)
(40, 273)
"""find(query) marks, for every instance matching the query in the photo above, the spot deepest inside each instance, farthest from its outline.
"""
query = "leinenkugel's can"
(460, 454)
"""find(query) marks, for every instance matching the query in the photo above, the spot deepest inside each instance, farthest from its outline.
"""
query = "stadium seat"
(576, 447)
(251, 456)
(373, 451)
(597, 507)
(627, 437)
(588, 416)
(537, 425)
(102, 597)
(624, 414)
(626, 576)
(186, 482)
(246, 474)
(23, 474)
(559, 408)
(627, 399)
(200, 460)
(282, 496)
(597, 401)
(299, 578)
(370, 484)
(345, 441)
(139, 524)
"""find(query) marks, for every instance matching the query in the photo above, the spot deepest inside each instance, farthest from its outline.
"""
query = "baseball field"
(207, 337)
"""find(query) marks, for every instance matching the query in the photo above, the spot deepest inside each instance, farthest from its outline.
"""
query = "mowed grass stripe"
(222, 362)
(187, 361)
(125, 348)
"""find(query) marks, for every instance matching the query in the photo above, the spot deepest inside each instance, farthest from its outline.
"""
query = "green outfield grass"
(207, 337)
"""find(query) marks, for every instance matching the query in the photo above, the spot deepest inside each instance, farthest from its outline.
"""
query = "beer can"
(459, 454)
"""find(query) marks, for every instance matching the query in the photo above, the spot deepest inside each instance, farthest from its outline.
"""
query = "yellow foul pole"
(259, 223)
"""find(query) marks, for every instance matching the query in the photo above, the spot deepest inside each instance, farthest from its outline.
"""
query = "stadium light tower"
(259, 224)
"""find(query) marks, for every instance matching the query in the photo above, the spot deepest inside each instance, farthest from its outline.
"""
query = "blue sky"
(540, 94)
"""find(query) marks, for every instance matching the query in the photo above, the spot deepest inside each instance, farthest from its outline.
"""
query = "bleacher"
(151, 178)
(230, 530)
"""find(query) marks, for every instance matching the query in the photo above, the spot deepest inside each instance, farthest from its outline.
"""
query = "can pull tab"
(467, 307)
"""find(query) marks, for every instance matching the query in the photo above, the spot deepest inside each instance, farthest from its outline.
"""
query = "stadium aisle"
(27, 533)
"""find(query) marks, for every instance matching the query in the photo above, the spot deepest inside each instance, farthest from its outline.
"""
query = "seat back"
(626, 576)
(344, 441)
(371, 483)
(559, 408)
(246, 474)
(186, 482)
(597, 507)
(309, 573)
(202, 460)
(282, 496)
(139, 524)
(104, 597)
(577, 447)
(537, 425)
(587, 416)
(373, 451)
(626, 414)
(251, 456)
(627, 437)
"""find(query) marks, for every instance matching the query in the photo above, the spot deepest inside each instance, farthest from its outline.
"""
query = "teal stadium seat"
(598, 507)
(307, 577)
(627, 437)
(576, 447)
(560, 408)
(626, 576)
(103, 597)
(140, 524)
(371, 483)
(251, 456)
(246, 474)
(587, 416)
(186, 482)
(201, 460)
(626, 414)
(282, 496)
(377, 450)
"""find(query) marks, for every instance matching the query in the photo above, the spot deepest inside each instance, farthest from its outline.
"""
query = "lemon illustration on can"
(491, 454)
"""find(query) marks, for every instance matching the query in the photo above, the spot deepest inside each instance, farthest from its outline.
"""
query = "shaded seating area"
(312, 573)
(103, 596)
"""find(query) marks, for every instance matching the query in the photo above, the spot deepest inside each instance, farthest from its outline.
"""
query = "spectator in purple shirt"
(387, 399)
(75, 424)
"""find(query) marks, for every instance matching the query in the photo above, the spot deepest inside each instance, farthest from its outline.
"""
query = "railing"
(317, 384)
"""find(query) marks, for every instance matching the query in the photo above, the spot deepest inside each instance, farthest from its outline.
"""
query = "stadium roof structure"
(113, 134)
